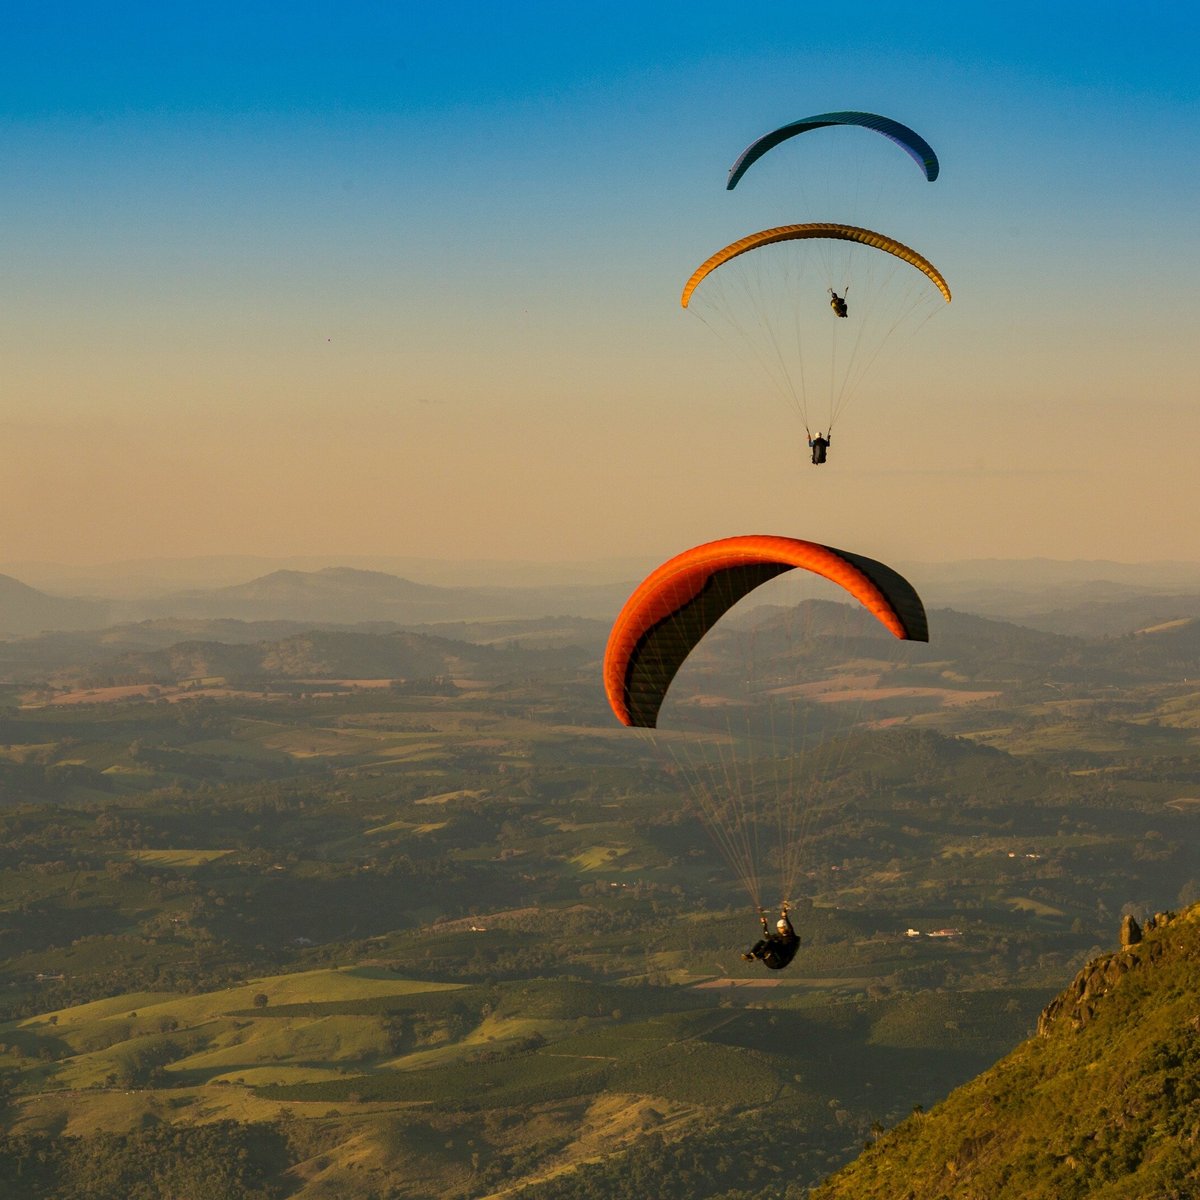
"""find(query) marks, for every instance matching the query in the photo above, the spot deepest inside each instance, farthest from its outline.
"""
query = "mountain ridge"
(1067, 598)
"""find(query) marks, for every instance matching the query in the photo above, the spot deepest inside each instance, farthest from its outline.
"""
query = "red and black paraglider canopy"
(677, 604)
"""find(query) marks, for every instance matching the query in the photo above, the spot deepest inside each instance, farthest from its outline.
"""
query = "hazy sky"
(402, 279)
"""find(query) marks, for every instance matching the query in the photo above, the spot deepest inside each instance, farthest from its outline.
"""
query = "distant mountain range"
(138, 578)
(348, 595)
(146, 577)
(803, 641)
(25, 610)
(1103, 1103)
(334, 595)
(1094, 614)
(979, 647)
(1089, 599)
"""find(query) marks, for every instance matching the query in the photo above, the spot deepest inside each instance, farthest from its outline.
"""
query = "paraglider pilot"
(838, 303)
(777, 949)
(819, 445)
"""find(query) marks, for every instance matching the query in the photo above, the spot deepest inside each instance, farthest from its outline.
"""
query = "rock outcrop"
(1131, 932)
(1077, 1005)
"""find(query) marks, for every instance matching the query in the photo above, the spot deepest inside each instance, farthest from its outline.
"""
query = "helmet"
(782, 925)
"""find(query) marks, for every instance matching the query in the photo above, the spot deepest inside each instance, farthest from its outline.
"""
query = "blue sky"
(433, 252)
(308, 60)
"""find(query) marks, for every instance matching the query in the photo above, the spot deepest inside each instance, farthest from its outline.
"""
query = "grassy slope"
(1108, 1110)
(93, 1041)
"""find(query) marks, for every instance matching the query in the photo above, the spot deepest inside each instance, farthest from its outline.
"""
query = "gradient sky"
(402, 279)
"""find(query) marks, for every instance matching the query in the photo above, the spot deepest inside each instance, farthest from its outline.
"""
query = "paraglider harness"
(819, 446)
(838, 303)
(775, 950)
